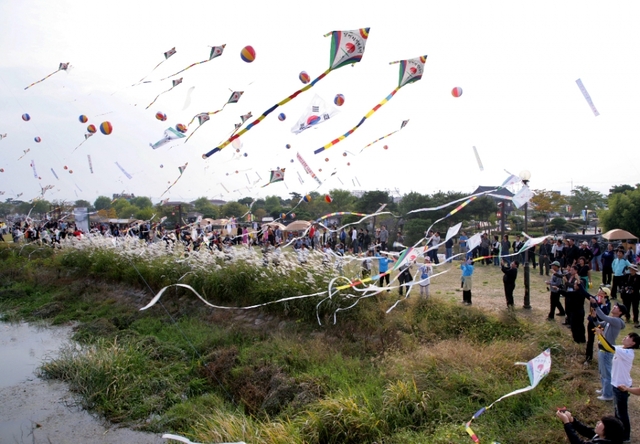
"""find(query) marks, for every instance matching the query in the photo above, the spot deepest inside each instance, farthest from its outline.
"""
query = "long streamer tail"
(154, 100)
(384, 137)
(182, 70)
(42, 80)
(352, 130)
(265, 114)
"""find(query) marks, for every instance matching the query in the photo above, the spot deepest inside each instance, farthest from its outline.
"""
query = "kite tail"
(79, 145)
(170, 186)
(194, 131)
(352, 130)
(383, 137)
(42, 80)
(142, 79)
(265, 114)
(154, 100)
(182, 70)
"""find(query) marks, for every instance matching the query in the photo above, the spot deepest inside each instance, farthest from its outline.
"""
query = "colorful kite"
(587, 97)
(62, 67)
(174, 83)
(410, 71)
(235, 97)
(276, 176)
(181, 169)
(123, 171)
(316, 113)
(404, 123)
(169, 135)
(167, 54)
(216, 51)
(347, 48)
(308, 169)
(537, 368)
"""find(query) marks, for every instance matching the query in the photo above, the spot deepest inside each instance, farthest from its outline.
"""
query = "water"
(36, 411)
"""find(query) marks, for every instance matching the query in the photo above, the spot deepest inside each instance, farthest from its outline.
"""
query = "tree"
(371, 200)
(623, 212)
(83, 203)
(343, 200)
(141, 202)
(102, 203)
(202, 205)
(622, 188)
(233, 209)
(546, 202)
(245, 201)
(272, 204)
(582, 197)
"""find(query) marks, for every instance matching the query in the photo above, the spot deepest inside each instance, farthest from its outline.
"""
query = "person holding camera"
(608, 430)
(555, 286)
(631, 293)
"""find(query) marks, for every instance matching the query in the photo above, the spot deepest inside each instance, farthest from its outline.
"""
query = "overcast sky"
(516, 62)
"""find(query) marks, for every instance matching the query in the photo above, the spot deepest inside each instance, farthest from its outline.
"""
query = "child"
(467, 272)
(425, 271)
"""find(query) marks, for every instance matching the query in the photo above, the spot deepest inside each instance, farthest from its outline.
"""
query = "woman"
(631, 293)
(607, 259)
(574, 306)
(509, 280)
(608, 430)
(584, 271)
(558, 252)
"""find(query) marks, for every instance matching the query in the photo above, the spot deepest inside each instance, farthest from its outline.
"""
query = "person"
(505, 245)
(604, 305)
(495, 251)
(383, 267)
(404, 279)
(631, 293)
(384, 238)
(607, 260)
(462, 244)
(630, 254)
(586, 252)
(467, 273)
(544, 253)
(571, 253)
(448, 249)
(558, 252)
(608, 430)
(584, 271)
(574, 306)
(621, 376)
(354, 240)
(596, 249)
(435, 241)
(556, 285)
(618, 267)
(425, 271)
(366, 265)
(510, 271)
(517, 246)
(399, 243)
(485, 244)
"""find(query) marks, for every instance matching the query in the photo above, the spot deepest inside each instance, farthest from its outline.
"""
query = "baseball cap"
(606, 290)
(556, 263)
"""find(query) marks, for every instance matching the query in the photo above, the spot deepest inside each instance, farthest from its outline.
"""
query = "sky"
(516, 62)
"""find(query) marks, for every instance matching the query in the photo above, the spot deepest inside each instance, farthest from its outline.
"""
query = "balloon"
(307, 198)
(66, 167)
(320, 170)
(291, 160)
(161, 116)
(181, 128)
(70, 171)
(237, 151)
(283, 216)
(106, 128)
(26, 117)
(248, 54)
(161, 166)
(83, 118)
(91, 128)
(456, 92)
(326, 159)
(236, 171)
(338, 99)
(237, 143)
(304, 77)
(386, 147)
(328, 198)
(288, 146)
(292, 215)
(282, 116)
(348, 163)
(37, 139)
(344, 154)
(1, 170)
(245, 155)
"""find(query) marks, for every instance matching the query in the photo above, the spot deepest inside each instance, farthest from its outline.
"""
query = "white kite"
(316, 113)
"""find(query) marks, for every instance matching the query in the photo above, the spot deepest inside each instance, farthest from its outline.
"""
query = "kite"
(308, 169)
(347, 48)
(276, 176)
(328, 198)
(522, 197)
(411, 71)
(174, 83)
(181, 169)
(537, 368)
(25, 153)
(54, 173)
(2, 136)
(456, 92)
(123, 171)
(339, 99)
(404, 123)
(587, 97)
(86, 137)
(216, 51)
(316, 113)
(169, 135)
(62, 67)
(33, 166)
(167, 54)
(475, 151)
(248, 54)
(90, 164)
(235, 97)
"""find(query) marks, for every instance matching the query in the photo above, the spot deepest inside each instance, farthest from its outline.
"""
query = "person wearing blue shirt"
(618, 267)
(383, 267)
(462, 242)
(467, 273)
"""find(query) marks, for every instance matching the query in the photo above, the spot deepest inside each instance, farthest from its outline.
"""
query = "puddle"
(36, 411)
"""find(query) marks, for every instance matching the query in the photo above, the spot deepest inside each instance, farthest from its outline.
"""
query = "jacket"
(572, 429)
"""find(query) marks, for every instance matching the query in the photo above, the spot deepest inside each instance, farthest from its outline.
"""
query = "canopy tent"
(618, 234)
(298, 225)
(274, 225)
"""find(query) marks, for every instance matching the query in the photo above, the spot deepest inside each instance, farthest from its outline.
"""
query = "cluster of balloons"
(248, 54)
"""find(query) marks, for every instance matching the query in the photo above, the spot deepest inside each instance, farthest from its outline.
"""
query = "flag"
(316, 113)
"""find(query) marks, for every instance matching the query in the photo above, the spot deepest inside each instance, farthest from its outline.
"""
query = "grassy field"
(273, 375)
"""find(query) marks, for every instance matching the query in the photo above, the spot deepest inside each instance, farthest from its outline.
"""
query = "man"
(596, 249)
(618, 267)
(585, 252)
(384, 237)
(484, 248)
(504, 251)
(448, 249)
(544, 253)
(516, 246)
(509, 280)
(571, 253)
(556, 284)
(462, 243)
(631, 293)
(610, 327)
